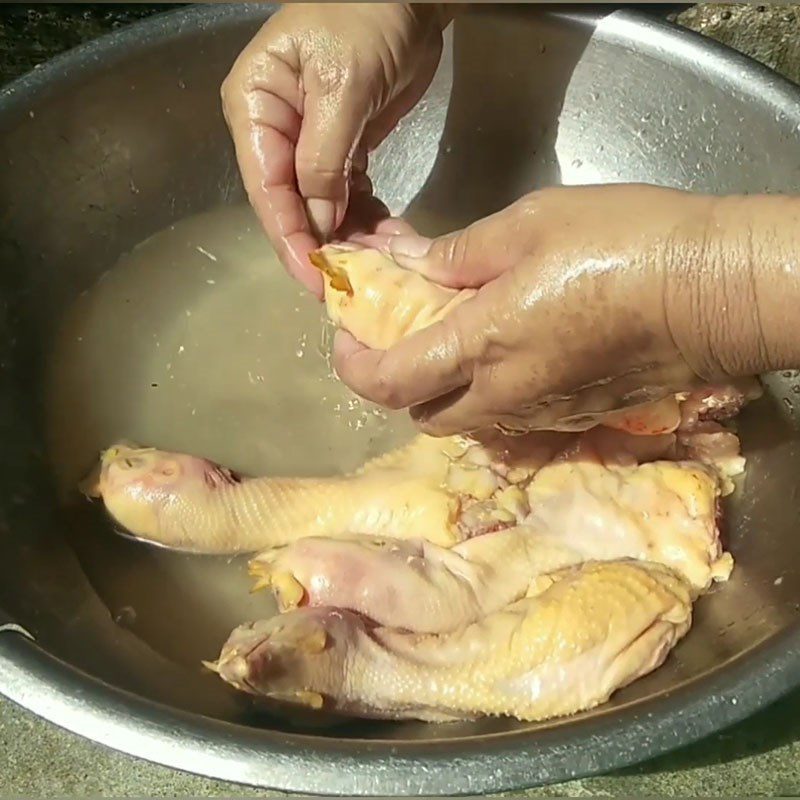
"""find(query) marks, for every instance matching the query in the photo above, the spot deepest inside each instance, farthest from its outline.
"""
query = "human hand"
(590, 299)
(318, 87)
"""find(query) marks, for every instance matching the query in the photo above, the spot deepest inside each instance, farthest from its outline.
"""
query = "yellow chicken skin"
(410, 584)
(666, 512)
(377, 300)
(593, 630)
(189, 503)
(663, 512)
(456, 577)
(441, 490)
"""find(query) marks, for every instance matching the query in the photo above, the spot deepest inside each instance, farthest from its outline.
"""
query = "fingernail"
(409, 246)
(345, 344)
(322, 216)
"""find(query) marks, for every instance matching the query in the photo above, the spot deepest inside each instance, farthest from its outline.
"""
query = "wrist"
(737, 293)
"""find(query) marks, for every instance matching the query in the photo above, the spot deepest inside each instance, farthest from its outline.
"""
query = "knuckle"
(432, 424)
(383, 388)
(527, 212)
(314, 161)
(430, 427)
(316, 181)
(466, 349)
(226, 109)
(530, 203)
(227, 90)
(332, 76)
(457, 247)
(385, 391)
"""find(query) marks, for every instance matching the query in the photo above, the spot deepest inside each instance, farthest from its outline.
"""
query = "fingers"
(395, 226)
(459, 412)
(385, 122)
(260, 107)
(367, 221)
(475, 255)
(365, 212)
(466, 411)
(333, 121)
(438, 386)
(425, 365)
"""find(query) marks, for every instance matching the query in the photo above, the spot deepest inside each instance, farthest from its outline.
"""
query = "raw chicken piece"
(711, 443)
(700, 435)
(442, 490)
(686, 410)
(666, 512)
(662, 512)
(596, 629)
(647, 418)
(376, 299)
(719, 403)
(412, 584)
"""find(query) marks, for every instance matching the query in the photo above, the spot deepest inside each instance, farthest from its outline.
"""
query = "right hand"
(317, 88)
(590, 299)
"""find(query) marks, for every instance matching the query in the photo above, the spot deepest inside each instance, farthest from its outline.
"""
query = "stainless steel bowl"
(112, 142)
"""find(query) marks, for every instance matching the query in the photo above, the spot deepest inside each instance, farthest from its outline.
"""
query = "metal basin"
(113, 142)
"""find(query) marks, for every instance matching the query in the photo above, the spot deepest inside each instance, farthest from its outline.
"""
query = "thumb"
(333, 122)
(472, 256)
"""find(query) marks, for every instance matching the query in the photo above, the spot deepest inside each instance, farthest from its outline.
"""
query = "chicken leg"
(597, 628)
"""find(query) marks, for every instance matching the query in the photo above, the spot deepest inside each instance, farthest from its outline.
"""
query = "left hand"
(317, 88)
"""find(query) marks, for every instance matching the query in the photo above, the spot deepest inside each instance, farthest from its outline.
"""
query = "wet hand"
(590, 299)
(318, 87)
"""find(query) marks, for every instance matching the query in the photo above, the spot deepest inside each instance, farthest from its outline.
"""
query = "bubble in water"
(325, 342)
(788, 403)
(126, 616)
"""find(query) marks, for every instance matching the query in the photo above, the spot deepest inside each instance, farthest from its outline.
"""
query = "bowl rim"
(99, 711)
